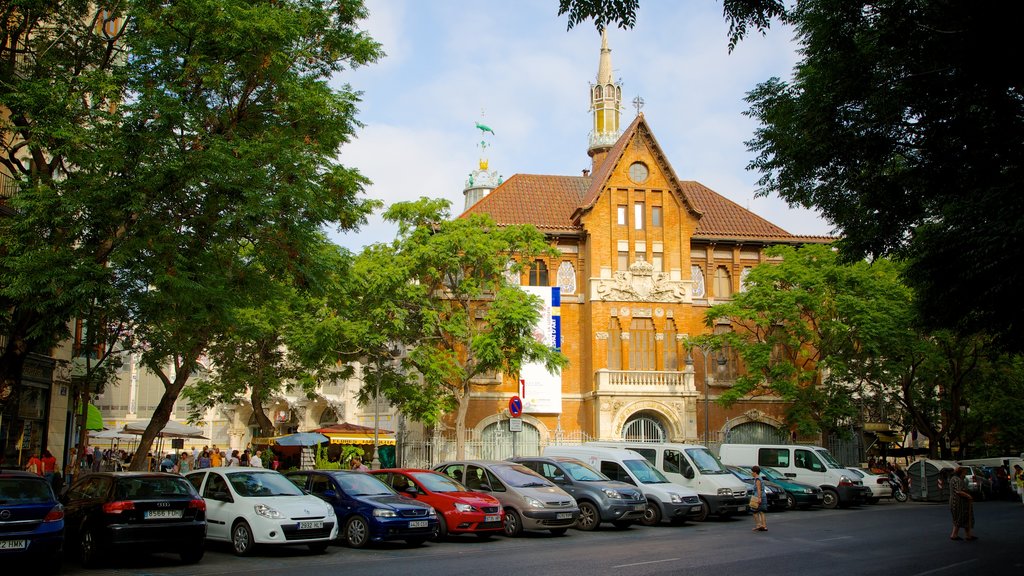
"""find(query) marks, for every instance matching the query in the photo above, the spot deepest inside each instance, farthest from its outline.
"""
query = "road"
(890, 539)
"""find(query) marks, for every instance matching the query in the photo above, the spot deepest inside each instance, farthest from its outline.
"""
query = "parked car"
(600, 499)
(107, 513)
(775, 494)
(798, 494)
(979, 482)
(31, 522)
(531, 502)
(368, 510)
(459, 511)
(878, 484)
(248, 507)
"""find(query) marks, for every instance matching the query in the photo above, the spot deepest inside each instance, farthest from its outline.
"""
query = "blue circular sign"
(515, 406)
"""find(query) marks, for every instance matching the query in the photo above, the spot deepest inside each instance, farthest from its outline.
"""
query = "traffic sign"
(515, 406)
(515, 424)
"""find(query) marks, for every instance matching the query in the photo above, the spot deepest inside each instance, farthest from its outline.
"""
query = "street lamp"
(706, 350)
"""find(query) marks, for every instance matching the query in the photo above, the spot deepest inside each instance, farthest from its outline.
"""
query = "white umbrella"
(171, 430)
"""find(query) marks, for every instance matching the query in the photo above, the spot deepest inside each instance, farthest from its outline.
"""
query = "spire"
(481, 181)
(605, 104)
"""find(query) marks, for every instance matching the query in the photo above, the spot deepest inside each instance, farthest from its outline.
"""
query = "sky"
(515, 67)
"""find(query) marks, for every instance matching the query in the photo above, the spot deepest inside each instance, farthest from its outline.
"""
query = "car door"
(556, 475)
(324, 487)
(220, 506)
(82, 502)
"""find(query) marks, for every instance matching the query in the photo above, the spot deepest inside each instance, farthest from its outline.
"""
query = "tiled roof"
(553, 203)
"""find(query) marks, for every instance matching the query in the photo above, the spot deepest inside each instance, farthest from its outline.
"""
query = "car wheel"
(790, 501)
(652, 515)
(513, 524)
(89, 552)
(357, 532)
(704, 509)
(830, 499)
(441, 532)
(192, 554)
(318, 547)
(622, 524)
(590, 518)
(418, 541)
(241, 539)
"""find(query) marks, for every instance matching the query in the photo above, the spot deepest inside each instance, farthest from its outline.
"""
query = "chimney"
(586, 172)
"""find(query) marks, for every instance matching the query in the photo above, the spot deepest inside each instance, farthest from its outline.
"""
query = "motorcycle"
(898, 492)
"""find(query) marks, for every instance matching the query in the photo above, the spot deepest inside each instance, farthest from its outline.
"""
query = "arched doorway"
(644, 427)
(496, 441)
(756, 433)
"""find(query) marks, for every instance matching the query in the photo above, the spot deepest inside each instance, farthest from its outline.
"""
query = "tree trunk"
(160, 417)
(460, 423)
(266, 426)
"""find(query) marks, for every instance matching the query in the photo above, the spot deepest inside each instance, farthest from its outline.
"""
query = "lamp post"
(706, 350)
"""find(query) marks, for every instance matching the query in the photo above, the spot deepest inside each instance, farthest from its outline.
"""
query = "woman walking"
(961, 504)
(759, 503)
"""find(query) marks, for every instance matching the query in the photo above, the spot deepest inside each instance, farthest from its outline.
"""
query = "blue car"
(31, 522)
(368, 510)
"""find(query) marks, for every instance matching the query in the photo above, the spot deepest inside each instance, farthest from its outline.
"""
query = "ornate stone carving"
(641, 284)
(660, 336)
(600, 335)
(755, 415)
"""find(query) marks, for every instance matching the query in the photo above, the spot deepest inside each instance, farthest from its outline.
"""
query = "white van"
(665, 500)
(693, 465)
(808, 464)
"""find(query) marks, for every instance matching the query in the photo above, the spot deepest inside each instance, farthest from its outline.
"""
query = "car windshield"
(359, 484)
(827, 457)
(742, 473)
(581, 472)
(24, 491)
(856, 472)
(706, 461)
(519, 476)
(268, 483)
(146, 487)
(644, 472)
(438, 482)
(771, 473)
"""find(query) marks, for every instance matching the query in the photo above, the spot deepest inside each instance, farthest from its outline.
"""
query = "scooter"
(898, 493)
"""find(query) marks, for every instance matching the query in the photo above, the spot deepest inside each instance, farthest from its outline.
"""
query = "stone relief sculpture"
(641, 284)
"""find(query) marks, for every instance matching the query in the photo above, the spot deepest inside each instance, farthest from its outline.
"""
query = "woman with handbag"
(758, 502)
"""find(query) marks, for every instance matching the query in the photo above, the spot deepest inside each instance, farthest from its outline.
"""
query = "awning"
(94, 418)
(360, 439)
(170, 430)
(888, 437)
(345, 433)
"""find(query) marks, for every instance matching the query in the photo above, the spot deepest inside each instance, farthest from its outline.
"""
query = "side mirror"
(411, 490)
(221, 496)
(560, 480)
(688, 472)
(328, 494)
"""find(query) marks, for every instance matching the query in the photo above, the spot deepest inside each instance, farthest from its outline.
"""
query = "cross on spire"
(638, 103)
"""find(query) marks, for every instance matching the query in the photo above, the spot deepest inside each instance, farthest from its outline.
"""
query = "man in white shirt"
(255, 460)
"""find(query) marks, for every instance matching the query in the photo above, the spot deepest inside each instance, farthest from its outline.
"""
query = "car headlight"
(611, 493)
(330, 511)
(384, 513)
(432, 513)
(533, 503)
(267, 511)
(465, 507)
(676, 498)
(725, 491)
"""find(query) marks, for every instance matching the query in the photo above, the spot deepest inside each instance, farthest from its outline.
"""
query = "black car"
(31, 522)
(775, 494)
(144, 511)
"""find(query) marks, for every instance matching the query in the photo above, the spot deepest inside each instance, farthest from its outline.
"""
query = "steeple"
(605, 102)
(481, 181)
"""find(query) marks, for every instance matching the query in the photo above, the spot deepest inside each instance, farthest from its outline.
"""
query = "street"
(909, 539)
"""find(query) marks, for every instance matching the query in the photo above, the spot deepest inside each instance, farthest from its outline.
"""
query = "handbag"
(754, 503)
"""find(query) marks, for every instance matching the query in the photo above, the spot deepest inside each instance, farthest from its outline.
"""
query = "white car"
(249, 506)
(879, 485)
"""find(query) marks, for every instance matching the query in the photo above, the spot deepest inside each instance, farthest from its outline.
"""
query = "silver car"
(531, 502)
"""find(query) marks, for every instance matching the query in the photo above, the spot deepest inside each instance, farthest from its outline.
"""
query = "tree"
(470, 321)
(901, 129)
(201, 128)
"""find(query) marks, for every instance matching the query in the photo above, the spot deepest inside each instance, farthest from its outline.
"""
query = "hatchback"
(459, 511)
(798, 494)
(255, 506)
(31, 522)
(531, 501)
(107, 513)
(368, 509)
(775, 494)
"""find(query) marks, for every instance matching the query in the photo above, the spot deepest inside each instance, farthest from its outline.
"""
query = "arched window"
(496, 441)
(723, 282)
(539, 273)
(644, 427)
(698, 281)
(614, 345)
(598, 93)
(641, 344)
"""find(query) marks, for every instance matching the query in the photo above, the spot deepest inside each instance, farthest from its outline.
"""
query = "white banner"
(540, 390)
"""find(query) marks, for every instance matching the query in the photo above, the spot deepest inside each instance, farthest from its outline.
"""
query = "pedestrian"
(243, 458)
(961, 505)
(184, 463)
(758, 502)
(233, 459)
(204, 460)
(357, 464)
(1018, 480)
(49, 463)
(167, 464)
(255, 460)
(35, 465)
(216, 460)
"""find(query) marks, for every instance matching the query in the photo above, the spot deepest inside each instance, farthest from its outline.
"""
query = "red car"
(458, 510)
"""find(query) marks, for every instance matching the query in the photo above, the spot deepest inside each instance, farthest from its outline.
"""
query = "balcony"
(8, 186)
(644, 383)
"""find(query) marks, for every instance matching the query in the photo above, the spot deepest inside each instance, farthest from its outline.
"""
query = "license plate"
(161, 514)
(13, 544)
(564, 515)
(639, 507)
(311, 525)
(418, 524)
(492, 518)
(698, 507)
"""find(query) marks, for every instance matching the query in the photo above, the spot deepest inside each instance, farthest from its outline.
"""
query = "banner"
(540, 390)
